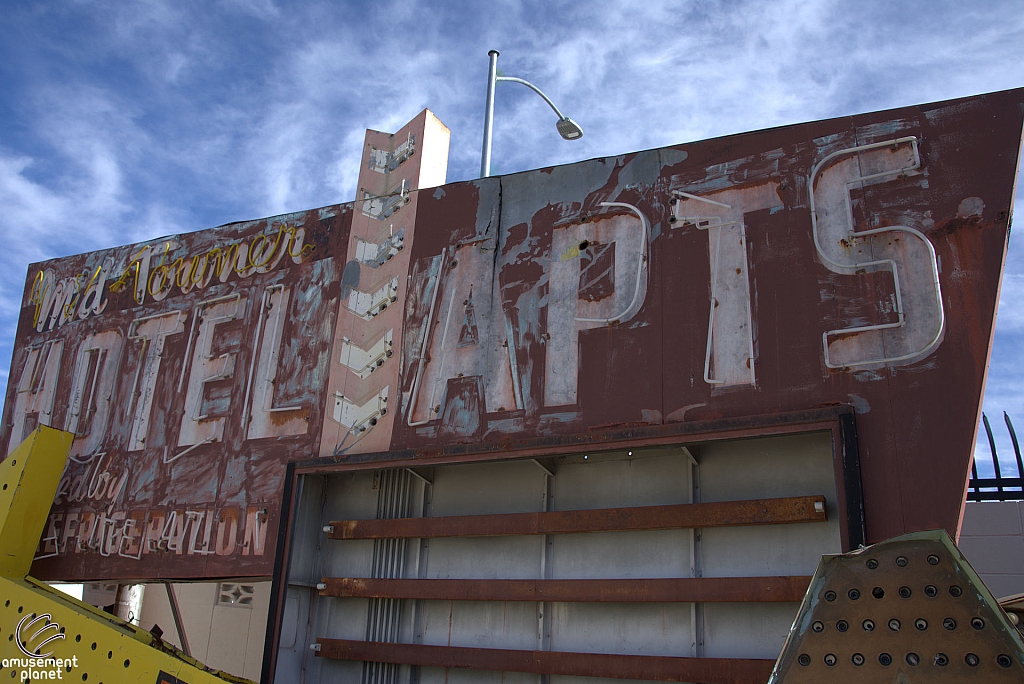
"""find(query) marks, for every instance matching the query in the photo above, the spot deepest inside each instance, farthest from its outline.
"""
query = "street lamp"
(567, 128)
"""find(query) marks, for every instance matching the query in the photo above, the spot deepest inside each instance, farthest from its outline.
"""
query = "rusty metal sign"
(852, 261)
(147, 353)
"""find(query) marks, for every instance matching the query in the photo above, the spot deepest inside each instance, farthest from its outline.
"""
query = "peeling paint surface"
(687, 284)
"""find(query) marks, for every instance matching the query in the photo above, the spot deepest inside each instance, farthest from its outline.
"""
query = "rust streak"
(722, 514)
(656, 668)
(687, 589)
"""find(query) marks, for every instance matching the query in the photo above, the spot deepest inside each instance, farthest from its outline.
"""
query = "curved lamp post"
(567, 128)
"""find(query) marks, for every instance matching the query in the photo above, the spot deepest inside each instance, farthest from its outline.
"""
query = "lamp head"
(569, 129)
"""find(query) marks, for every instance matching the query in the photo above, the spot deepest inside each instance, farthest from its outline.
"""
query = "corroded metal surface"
(656, 668)
(686, 589)
(797, 509)
(806, 312)
(854, 261)
(170, 476)
(908, 609)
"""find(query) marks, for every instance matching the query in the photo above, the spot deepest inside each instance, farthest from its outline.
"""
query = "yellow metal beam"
(28, 480)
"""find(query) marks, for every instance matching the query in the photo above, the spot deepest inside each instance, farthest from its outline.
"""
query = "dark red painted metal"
(656, 668)
(636, 382)
(687, 589)
(798, 509)
(917, 422)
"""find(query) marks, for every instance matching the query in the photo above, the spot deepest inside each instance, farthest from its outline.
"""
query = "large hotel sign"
(851, 261)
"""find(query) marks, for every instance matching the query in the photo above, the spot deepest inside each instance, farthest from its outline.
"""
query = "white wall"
(225, 637)
(992, 539)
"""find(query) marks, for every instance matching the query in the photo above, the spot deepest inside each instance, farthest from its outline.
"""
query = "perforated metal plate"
(909, 610)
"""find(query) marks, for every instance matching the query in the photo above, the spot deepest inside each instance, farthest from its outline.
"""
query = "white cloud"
(132, 120)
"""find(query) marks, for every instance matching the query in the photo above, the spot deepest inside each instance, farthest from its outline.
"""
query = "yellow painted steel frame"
(46, 635)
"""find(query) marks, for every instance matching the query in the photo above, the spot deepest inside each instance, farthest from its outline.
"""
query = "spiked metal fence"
(1000, 487)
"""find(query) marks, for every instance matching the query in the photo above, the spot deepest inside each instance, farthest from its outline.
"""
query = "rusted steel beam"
(796, 509)
(687, 589)
(657, 668)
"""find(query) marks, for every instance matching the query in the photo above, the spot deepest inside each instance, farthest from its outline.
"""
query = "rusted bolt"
(872, 564)
(955, 591)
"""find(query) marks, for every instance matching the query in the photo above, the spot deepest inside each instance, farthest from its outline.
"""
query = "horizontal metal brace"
(659, 668)
(673, 590)
(798, 509)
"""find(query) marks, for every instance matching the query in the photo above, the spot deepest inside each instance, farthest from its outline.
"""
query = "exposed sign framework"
(850, 261)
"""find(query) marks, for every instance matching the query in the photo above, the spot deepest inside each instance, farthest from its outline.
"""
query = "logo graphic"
(25, 637)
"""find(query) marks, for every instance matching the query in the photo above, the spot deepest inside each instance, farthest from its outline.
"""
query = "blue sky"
(128, 120)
